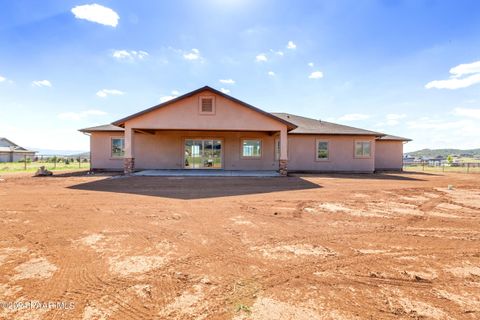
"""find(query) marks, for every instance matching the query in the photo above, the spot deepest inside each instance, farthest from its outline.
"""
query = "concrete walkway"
(208, 173)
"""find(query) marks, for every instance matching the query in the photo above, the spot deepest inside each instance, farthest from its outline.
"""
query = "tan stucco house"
(207, 129)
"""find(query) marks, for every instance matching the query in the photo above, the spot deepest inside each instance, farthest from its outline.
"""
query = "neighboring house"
(207, 129)
(11, 152)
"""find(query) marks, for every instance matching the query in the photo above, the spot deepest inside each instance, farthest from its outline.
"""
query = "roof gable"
(122, 121)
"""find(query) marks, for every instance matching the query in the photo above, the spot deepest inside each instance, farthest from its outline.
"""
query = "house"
(207, 129)
(11, 152)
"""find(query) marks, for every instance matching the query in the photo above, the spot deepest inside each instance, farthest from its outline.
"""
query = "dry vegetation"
(313, 247)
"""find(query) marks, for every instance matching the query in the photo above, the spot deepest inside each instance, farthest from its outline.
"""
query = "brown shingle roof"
(313, 126)
(389, 137)
(105, 128)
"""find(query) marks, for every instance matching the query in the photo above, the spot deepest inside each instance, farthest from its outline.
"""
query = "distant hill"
(432, 153)
(51, 152)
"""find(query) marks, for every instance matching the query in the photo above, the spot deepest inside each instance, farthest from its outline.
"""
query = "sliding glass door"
(203, 154)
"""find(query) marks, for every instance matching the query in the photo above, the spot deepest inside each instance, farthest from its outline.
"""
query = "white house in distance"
(207, 129)
(11, 152)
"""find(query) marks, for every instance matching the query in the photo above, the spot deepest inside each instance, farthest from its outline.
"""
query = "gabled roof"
(103, 128)
(389, 137)
(122, 121)
(313, 126)
(9, 146)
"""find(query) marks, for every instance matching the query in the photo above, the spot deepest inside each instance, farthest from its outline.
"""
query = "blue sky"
(410, 68)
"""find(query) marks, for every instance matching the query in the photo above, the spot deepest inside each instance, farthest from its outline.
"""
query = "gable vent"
(207, 105)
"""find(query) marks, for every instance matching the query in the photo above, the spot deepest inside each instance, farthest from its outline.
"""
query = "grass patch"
(33, 166)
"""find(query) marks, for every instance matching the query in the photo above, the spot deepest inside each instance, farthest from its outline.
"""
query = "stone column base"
(128, 165)
(282, 167)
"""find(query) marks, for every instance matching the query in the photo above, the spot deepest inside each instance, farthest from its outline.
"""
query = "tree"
(450, 159)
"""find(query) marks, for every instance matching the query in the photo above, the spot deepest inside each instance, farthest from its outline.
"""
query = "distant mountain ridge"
(48, 152)
(432, 153)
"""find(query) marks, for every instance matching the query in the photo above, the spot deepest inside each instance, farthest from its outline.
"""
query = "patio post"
(282, 165)
(128, 158)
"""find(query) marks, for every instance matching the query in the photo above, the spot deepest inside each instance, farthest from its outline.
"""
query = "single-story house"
(207, 129)
(11, 152)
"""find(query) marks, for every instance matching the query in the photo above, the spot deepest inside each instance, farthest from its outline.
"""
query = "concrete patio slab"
(208, 173)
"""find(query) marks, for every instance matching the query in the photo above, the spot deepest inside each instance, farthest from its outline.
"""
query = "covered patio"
(207, 173)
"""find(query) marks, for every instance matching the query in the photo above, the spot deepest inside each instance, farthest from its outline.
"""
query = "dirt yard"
(383, 246)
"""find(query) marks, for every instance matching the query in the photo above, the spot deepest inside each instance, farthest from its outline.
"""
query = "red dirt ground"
(383, 246)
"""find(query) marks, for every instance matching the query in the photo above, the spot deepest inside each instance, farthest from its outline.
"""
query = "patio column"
(282, 165)
(128, 158)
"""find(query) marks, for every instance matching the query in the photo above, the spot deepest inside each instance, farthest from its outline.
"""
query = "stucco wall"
(15, 157)
(389, 155)
(100, 148)
(302, 154)
(184, 114)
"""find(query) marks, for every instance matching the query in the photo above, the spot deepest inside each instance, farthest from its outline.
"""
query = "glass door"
(203, 154)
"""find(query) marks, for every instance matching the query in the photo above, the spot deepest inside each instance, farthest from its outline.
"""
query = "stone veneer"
(282, 167)
(128, 165)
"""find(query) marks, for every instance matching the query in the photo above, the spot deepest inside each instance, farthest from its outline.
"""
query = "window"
(207, 105)
(363, 149)
(118, 147)
(322, 150)
(251, 148)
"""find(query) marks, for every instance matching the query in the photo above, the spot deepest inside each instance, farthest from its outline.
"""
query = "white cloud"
(194, 54)
(96, 13)
(129, 55)
(80, 115)
(458, 79)
(167, 98)
(175, 92)
(2, 79)
(109, 92)
(226, 91)
(354, 117)
(467, 112)
(261, 58)
(466, 68)
(271, 73)
(278, 53)
(454, 83)
(291, 45)
(310, 64)
(392, 119)
(227, 81)
(41, 83)
(316, 75)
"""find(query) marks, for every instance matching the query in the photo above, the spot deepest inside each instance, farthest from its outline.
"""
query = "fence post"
(54, 162)
(24, 162)
(468, 167)
(79, 162)
(423, 165)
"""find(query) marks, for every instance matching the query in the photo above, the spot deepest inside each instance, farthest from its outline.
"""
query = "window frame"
(206, 113)
(363, 156)
(317, 141)
(242, 156)
(277, 149)
(111, 147)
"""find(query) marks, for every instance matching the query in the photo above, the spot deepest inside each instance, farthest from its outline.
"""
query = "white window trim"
(251, 157)
(316, 150)
(355, 149)
(200, 105)
(112, 157)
